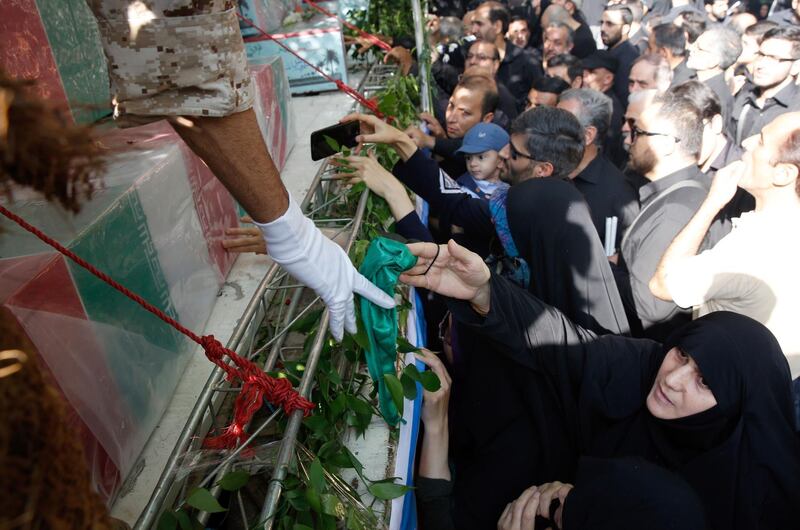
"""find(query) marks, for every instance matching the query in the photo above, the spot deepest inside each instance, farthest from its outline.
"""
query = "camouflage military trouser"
(174, 57)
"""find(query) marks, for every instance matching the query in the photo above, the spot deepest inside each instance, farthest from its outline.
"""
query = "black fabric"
(625, 53)
(446, 199)
(507, 107)
(742, 456)
(608, 194)
(434, 504)
(723, 92)
(554, 233)
(583, 44)
(499, 409)
(451, 162)
(613, 144)
(754, 118)
(518, 70)
(682, 73)
(630, 494)
(647, 240)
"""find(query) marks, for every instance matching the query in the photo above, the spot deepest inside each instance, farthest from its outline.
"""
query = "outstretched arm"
(688, 241)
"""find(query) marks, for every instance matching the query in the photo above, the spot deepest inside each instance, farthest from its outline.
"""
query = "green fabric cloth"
(382, 265)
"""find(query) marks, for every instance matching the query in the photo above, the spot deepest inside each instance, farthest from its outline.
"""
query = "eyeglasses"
(515, 153)
(636, 131)
(481, 57)
(772, 58)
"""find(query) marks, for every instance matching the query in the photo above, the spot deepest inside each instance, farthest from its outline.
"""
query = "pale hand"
(433, 124)
(421, 139)
(724, 185)
(435, 404)
(374, 130)
(295, 243)
(456, 272)
(520, 514)
(368, 170)
(244, 239)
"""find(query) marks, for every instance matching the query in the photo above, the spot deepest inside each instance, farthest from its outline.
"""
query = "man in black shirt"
(474, 100)
(774, 90)
(667, 138)
(615, 27)
(483, 57)
(670, 41)
(598, 74)
(517, 69)
(714, 51)
(582, 40)
(601, 183)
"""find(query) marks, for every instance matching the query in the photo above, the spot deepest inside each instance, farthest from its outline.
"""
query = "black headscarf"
(630, 494)
(500, 410)
(742, 456)
(553, 230)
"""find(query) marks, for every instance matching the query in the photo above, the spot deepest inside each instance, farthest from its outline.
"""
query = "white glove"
(294, 242)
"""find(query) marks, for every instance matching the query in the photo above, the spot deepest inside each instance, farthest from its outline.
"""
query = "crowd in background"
(609, 265)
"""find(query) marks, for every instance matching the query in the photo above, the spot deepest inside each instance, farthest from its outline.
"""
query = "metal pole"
(293, 425)
(162, 490)
(423, 58)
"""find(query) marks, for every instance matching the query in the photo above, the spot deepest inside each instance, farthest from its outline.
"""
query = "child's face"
(484, 166)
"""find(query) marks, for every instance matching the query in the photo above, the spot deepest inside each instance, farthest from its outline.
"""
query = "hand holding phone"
(323, 141)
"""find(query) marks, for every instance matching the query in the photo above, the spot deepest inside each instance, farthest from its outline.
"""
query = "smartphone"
(343, 134)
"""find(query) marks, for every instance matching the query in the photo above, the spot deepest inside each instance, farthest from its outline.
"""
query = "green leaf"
(361, 338)
(332, 505)
(356, 463)
(333, 144)
(301, 527)
(202, 499)
(184, 521)
(411, 371)
(359, 406)
(396, 390)
(316, 475)
(338, 405)
(168, 521)
(317, 424)
(235, 480)
(409, 387)
(313, 499)
(403, 346)
(387, 490)
(430, 381)
(307, 323)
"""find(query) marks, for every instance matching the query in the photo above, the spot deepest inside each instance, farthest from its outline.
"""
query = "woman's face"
(679, 390)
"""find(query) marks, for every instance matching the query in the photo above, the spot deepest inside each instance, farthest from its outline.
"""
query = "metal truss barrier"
(324, 194)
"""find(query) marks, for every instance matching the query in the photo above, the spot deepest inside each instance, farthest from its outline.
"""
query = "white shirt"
(754, 271)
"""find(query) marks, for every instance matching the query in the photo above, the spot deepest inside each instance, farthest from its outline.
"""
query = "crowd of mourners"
(609, 265)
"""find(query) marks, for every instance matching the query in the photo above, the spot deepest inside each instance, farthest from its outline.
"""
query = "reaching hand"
(434, 404)
(316, 261)
(373, 129)
(367, 169)
(433, 124)
(244, 239)
(421, 139)
(401, 56)
(725, 182)
(452, 271)
(520, 514)
(550, 492)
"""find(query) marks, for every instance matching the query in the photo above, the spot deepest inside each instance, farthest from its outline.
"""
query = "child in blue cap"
(481, 148)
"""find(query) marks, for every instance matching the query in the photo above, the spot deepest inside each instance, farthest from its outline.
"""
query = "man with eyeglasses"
(752, 270)
(545, 142)
(773, 90)
(517, 68)
(484, 58)
(665, 142)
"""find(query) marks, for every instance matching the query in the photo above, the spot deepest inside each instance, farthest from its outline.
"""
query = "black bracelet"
(432, 262)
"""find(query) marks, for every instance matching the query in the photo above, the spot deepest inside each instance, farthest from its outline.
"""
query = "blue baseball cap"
(483, 137)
